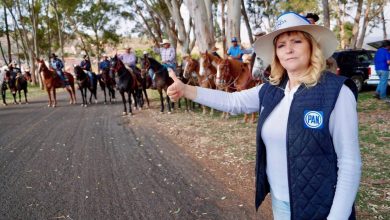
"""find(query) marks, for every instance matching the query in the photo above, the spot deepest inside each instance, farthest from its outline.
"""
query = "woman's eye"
(298, 41)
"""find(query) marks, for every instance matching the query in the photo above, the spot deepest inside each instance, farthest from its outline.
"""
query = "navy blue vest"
(311, 158)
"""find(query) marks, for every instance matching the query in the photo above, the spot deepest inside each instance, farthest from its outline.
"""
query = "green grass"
(33, 91)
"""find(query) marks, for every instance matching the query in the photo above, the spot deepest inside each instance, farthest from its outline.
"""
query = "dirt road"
(72, 162)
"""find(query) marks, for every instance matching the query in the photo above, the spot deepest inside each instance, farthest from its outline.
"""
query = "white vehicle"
(373, 78)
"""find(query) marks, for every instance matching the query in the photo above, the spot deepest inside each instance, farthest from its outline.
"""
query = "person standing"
(382, 62)
(308, 155)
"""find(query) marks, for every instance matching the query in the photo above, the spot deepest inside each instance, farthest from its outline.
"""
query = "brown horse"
(233, 75)
(207, 72)
(52, 81)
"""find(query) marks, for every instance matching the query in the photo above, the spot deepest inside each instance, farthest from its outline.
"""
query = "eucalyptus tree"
(96, 24)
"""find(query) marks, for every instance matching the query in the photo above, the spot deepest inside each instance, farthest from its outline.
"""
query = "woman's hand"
(176, 90)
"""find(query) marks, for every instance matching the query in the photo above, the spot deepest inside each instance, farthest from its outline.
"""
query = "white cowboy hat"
(291, 21)
(258, 32)
(145, 52)
(165, 41)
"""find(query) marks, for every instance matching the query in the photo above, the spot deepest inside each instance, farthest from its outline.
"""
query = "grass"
(33, 91)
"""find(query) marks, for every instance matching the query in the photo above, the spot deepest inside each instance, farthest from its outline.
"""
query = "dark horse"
(16, 83)
(106, 81)
(161, 78)
(127, 82)
(84, 83)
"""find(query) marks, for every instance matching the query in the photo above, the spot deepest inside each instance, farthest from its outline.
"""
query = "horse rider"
(259, 66)
(58, 65)
(129, 59)
(14, 69)
(214, 51)
(167, 53)
(86, 66)
(104, 64)
(235, 51)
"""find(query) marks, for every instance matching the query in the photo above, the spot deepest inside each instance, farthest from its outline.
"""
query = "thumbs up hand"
(176, 90)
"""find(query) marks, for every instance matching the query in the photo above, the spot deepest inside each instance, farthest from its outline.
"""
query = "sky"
(376, 35)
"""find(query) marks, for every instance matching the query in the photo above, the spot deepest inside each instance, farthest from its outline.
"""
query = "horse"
(21, 84)
(161, 78)
(84, 83)
(106, 81)
(127, 82)
(207, 73)
(146, 82)
(233, 75)
(190, 75)
(52, 81)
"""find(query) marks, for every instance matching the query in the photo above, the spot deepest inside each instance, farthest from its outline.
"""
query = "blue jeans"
(382, 86)
(62, 77)
(280, 209)
(169, 65)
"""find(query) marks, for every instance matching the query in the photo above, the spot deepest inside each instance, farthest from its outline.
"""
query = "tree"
(233, 20)
(204, 34)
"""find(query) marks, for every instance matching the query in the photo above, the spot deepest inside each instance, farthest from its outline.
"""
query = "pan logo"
(314, 119)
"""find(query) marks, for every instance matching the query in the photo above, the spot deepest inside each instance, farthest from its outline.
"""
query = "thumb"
(173, 75)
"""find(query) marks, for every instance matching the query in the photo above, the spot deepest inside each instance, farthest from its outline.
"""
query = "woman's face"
(293, 51)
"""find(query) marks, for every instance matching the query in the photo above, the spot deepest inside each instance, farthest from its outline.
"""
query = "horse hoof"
(85, 106)
(169, 113)
(96, 102)
(124, 113)
(161, 112)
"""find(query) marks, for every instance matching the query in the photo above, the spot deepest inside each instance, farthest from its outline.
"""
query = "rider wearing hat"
(104, 64)
(86, 66)
(58, 65)
(168, 56)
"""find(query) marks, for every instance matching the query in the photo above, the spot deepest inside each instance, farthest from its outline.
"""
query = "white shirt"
(343, 127)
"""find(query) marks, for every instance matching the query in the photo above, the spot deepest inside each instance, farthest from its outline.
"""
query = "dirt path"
(90, 163)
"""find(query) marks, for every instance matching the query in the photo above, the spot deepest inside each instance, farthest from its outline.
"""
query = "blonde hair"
(316, 64)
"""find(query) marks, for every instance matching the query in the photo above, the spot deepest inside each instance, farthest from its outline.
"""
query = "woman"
(307, 138)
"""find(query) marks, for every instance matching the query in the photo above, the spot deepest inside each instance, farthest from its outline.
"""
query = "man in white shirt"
(128, 58)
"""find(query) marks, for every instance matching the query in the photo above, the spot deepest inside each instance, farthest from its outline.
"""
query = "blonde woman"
(308, 154)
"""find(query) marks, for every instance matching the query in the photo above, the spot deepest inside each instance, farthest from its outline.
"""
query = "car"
(373, 78)
(355, 64)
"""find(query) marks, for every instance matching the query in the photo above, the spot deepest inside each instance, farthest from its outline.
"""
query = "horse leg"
(3, 96)
(14, 95)
(136, 101)
(161, 100)
(20, 97)
(253, 118)
(124, 102)
(146, 97)
(168, 102)
(245, 118)
(55, 97)
(129, 97)
(49, 94)
(104, 92)
(25, 95)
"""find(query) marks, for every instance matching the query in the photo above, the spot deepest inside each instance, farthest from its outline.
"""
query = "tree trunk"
(197, 11)
(355, 29)
(7, 35)
(365, 24)
(60, 27)
(383, 24)
(148, 27)
(325, 6)
(246, 19)
(2, 54)
(223, 28)
(233, 20)
(183, 38)
(31, 62)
